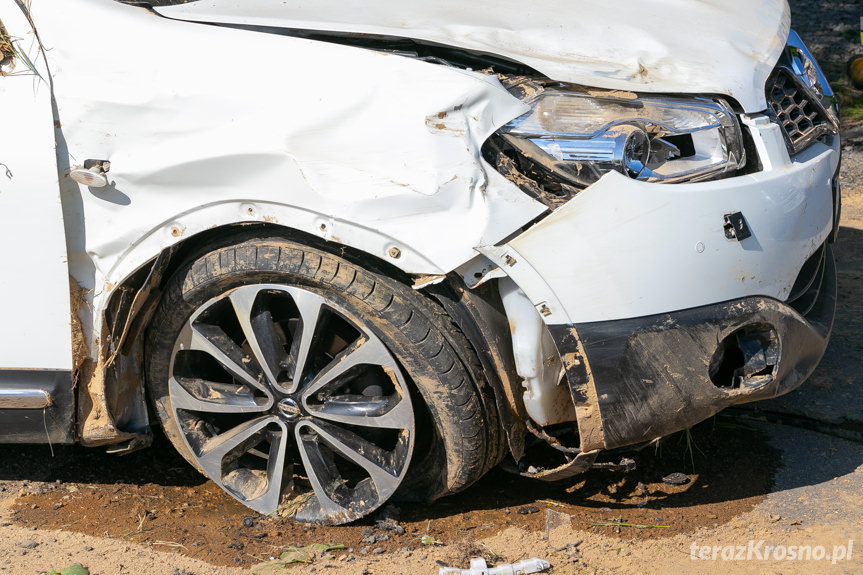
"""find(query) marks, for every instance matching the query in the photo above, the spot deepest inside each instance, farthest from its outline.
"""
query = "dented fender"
(214, 136)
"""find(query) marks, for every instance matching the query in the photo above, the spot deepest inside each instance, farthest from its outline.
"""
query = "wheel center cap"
(289, 409)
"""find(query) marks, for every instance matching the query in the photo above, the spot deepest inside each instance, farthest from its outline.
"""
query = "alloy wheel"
(267, 377)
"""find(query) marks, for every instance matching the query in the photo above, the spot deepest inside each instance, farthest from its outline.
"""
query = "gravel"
(830, 29)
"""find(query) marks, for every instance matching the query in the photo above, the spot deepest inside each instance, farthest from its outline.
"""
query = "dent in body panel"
(197, 142)
(640, 45)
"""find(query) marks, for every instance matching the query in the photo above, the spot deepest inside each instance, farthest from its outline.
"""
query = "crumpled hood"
(683, 46)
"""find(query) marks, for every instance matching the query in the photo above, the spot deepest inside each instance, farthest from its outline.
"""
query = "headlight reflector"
(580, 136)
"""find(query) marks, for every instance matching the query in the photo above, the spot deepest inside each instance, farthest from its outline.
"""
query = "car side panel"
(36, 400)
(34, 278)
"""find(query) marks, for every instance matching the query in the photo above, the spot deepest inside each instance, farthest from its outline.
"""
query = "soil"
(154, 498)
(150, 513)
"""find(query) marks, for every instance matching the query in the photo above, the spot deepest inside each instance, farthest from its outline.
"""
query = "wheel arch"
(111, 395)
(128, 308)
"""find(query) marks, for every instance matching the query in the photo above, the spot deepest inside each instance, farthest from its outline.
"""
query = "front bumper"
(652, 376)
(646, 295)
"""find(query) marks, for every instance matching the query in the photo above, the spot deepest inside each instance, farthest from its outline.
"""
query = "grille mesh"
(794, 107)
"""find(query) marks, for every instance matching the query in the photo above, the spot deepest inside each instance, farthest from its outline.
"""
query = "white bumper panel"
(623, 249)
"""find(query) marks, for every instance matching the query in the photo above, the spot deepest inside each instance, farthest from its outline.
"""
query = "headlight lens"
(579, 137)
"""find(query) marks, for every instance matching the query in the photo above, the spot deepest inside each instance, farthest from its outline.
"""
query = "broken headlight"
(579, 137)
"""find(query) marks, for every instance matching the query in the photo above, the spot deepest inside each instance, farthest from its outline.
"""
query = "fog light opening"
(746, 359)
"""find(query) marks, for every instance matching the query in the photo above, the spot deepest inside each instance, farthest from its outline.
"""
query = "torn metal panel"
(134, 314)
(643, 45)
(112, 407)
(95, 419)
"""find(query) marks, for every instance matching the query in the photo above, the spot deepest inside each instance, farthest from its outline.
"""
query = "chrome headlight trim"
(803, 64)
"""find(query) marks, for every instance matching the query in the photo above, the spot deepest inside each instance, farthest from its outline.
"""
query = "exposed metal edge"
(24, 399)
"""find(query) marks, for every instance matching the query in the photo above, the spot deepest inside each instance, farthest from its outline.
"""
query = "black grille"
(796, 109)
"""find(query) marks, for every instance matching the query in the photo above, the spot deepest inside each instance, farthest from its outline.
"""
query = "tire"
(389, 395)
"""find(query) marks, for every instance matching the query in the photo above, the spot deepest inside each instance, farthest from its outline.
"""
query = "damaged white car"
(345, 252)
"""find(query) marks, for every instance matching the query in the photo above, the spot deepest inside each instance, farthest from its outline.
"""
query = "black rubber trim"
(54, 424)
(836, 190)
(652, 374)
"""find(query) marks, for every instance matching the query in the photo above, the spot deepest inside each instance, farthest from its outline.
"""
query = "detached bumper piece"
(648, 377)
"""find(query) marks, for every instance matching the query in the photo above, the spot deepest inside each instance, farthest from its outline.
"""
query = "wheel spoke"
(217, 446)
(260, 492)
(309, 305)
(197, 394)
(391, 412)
(319, 472)
(260, 332)
(213, 341)
(374, 460)
(364, 351)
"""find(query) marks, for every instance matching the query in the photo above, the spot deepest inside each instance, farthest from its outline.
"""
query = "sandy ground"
(25, 551)
(816, 510)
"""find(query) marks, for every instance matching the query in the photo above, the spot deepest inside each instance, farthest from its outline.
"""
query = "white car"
(352, 250)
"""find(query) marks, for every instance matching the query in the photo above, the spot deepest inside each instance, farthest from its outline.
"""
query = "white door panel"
(35, 328)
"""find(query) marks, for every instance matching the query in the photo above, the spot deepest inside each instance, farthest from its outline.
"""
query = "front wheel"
(269, 359)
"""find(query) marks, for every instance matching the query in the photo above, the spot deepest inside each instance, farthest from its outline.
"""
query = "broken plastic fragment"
(427, 280)
(478, 566)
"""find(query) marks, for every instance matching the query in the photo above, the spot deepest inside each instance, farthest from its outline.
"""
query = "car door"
(35, 333)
